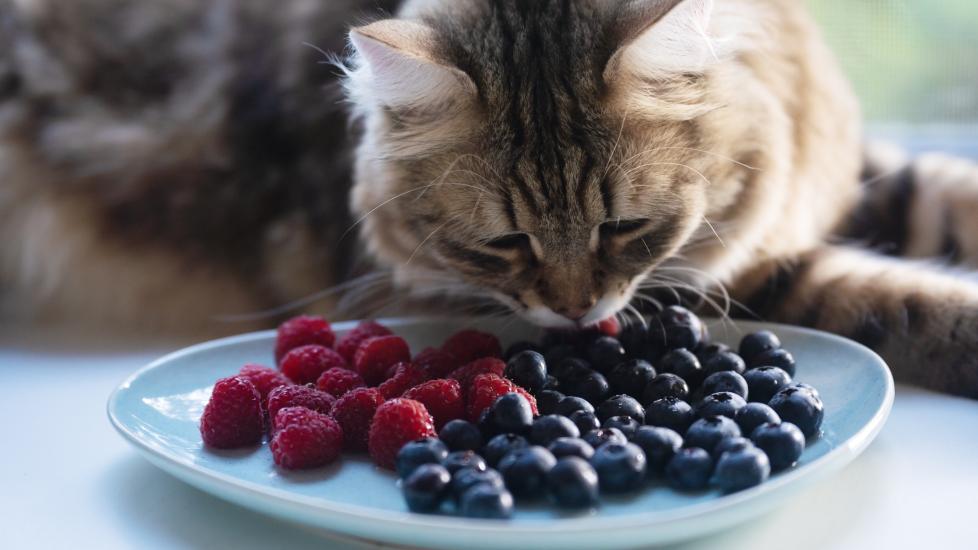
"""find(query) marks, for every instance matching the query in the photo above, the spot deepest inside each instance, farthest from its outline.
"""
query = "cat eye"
(509, 242)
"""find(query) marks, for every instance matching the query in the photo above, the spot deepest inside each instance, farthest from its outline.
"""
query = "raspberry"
(348, 344)
(442, 398)
(436, 363)
(530, 399)
(406, 376)
(397, 422)
(305, 439)
(355, 411)
(302, 331)
(233, 416)
(469, 345)
(484, 391)
(305, 363)
(265, 379)
(337, 381)
(466, 374)
(299, 396)
(609, 327)
(376, 354)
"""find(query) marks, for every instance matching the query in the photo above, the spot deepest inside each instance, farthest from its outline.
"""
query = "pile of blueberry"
(660, 401)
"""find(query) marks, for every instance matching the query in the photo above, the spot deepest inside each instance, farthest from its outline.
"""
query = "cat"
(166, 161)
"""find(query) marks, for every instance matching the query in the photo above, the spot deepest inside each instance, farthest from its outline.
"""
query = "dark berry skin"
(461, 435)
(670, 412)
(466, 478)
(753, 415)
(597, 438)
(741, 469)
(457, 460)
(631, 377)
(722, 362)
(487, 424)
(707, 432)
(549, 427)
(779, 357)
(764, 382)
(571, 446)
(726, 381)
(501, 445)
(486, 502)
(721, 404)
(592, 385)
(568, 367)
(625, 424)
(571, 404)
(429, 450)
(517, 347)
(525, 471)
(620, 467)
(757, 343)
(621, 405)
(512, 413)
(706, 351)
(547, 401)
(426, 487)
(659, 446)
(676, 327)
(782, 442)
(585, 421)
(527, 369)
(552, 384)
(573, 483)
(605, 353)
(683, 364)
(634, 338)
(665, 385)
(729, 444)
(690, 469)
(801, 407)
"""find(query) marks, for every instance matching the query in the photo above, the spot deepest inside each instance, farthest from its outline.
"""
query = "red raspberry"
(484, 391)
(442, 398)
(306, 363)
(337, 381)
(466, 374)
(406, 376)
(397, 422)
(233, 416)
(348, 344)
(302, 331)
(469, 345)
(530, 399)
(376, 354)
(609, 327)
(437, 363)
(265, 379)
(305, 439)
(299, 396)
(355, 411)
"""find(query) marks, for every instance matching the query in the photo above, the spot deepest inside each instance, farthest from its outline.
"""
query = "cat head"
(549, 154)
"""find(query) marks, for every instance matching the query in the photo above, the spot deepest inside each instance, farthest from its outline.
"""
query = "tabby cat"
(162, 162)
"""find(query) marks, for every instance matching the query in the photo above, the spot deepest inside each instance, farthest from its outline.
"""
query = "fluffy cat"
(165, 161)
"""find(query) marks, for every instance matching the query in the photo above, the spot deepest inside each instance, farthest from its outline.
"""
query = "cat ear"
(398, 64)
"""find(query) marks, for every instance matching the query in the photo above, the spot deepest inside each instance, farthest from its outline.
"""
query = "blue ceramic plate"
(157, 410)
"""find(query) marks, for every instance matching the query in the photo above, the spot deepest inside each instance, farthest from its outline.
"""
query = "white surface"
(80, 485)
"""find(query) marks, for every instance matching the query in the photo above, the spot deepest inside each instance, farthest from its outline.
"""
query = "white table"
(68, 481)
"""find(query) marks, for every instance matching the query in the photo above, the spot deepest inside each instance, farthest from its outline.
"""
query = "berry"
(555, 356)
(337, 381)
(670, 412)
(460, 435)
(501, 445)
(442, 398)
(426, 487)
(782, 442)
(571, 446)
(487, 502)
(705, 351)
(665, 385)
(233, 416)
(807, 387)
(573, 483)
(801, 407)
(264, 379)
(631, 377)
(707, 432)
(547, 401)
(597, 438)
(757, 343)
(435, 363)
(608, 327)
(304, 364)
(659, 446)
(484, 391)
(779, 357)
(690, 469)
(466, 478)
(512, 413)
(590, 385)
(525, 471)
(469, 345)
(547, 428)
(348, 344)
(355, 413)
(605, 353)
(676, 327)
(764, 382)
(753, 415)
(568, 367)
(458, 460)
(303, 330)
(299, 396)
(487, 424)
(571, 404)
(552, 383)
(406, 376)
(305, 439)
(621, 405)
(527, 369)
(741, 469)
(429, 450)
(683, 364)
(720, 404)
(725, 361)
(625, 424)
(395, 423)
(519, 347)
(725, 381)
(529, 399)
(620, 467)
(467, 373)
(635, 340)
(585, 421)
(729, 444)
(375, 355)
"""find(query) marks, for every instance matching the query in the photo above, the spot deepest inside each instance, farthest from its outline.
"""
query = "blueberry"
(597, 438)
(801, 407)
(501, 445)
(707, 350)
(676, 327)
(552, 384)
(571, 446)
(690, 469)
(457, 460)
(547, 401)
(487, 424)
(525, 470)
(512, 413)
(429, 450)
(807, 387)
(461, 435)
(549, 427)
(625, 424)
(728, 444)
(572, 404)
(585, 421)
(631, 377)
(723, 362)
(527, 369)
(741, 469)
(466, 478)
(753, 415)
(621, 405)
(605, 353)
(519, 347)
(764, 382)
(782, 442)
(725, 381)
(573, 483)
(426, 487)
(665, 385)
(569, 367)
(683, 364)
(779, 357)
(557, 338)
(635, 339)
(707, 432)
(670, 412)
(620, 467)
(592, 385)
(720, 404)
(757, 343)
(659, 445)
(487, 502)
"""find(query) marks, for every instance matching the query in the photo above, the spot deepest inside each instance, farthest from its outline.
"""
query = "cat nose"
(576, 312)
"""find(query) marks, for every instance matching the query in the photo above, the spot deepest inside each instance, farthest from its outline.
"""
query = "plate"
(157, 410)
